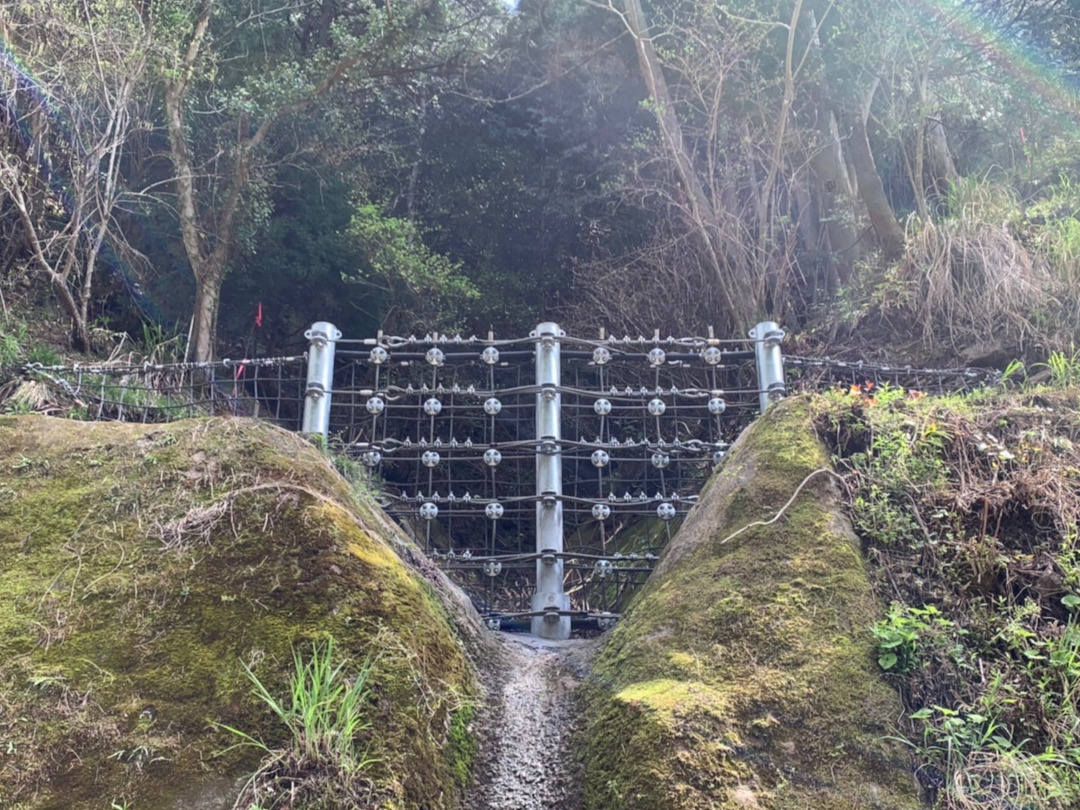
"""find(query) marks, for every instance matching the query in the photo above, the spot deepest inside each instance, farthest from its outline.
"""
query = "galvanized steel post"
(767, 337)
(320, 377)
(549, 598)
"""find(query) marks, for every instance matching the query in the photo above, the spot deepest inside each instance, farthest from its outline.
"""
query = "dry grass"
(986, 780)
(967, 278)
(661, 286)
(30, 396)
(196, 527)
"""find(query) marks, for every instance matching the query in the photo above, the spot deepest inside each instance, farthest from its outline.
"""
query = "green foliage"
(325, 715)
(396, 259)
(45, 355)
(565, 179)
(1053, 224)
(899, 455)
(352, 471)
(158, 346)
(16, 348)
(325, 710)
(981, 635)
(12, 341)
(881, 515)
(463, 745)
(899, 634)
(363, 483)
(1015, 368)
(130, 392)
(978, 200)
(323, 90)
(296, 272)
(1064, 368)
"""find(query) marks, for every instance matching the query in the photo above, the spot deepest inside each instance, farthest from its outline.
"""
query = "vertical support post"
(549, 597)
(320, 377)
(767, 337)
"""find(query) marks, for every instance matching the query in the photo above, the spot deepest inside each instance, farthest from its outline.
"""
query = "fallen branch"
(783, 508)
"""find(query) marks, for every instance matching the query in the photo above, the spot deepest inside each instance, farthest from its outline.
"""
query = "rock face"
(142, 566)
(742, 675)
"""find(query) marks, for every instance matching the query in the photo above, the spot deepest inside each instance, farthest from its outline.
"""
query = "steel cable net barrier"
(545, 472)
(270, 388)
(456, 434)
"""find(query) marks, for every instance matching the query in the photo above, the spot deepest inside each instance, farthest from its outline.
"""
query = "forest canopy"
(231, 170)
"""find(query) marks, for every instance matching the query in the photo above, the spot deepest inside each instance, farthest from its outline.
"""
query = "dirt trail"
(525, 727)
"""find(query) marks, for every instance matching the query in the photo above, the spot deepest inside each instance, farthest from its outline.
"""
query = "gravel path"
(525, 727)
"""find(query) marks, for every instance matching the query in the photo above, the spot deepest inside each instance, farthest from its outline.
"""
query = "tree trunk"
(889, 233)
(804, 213)
(207, 248)
(943, 173)
(835, 200)
(915, 172)
(699, 207)
(834, 192)
(204, 325)
(176, 88)
(207, 264)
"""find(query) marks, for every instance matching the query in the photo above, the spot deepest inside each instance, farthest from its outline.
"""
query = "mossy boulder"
(143, 566)
(742, 676)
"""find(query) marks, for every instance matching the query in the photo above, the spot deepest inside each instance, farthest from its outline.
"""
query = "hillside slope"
(144, 566)
(743, 675)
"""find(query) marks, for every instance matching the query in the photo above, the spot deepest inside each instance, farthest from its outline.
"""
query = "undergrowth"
(324, 760)
(968, 507)
(989, 276)
(16, 348)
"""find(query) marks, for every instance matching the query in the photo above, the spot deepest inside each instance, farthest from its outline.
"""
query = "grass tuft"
(325, 714)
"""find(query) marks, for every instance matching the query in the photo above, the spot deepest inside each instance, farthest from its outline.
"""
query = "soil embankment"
(743, 675)
(144, 567)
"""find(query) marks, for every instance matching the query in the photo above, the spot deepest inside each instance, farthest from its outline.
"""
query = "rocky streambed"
(525, 728)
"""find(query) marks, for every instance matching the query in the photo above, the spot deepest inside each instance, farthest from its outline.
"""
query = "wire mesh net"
(270, 388)
(449, 428)
(820, 373)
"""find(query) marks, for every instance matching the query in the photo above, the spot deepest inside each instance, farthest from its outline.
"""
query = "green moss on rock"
(742, 675)
(141, 564)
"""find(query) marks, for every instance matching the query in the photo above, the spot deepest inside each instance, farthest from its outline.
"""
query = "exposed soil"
(526, 725)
